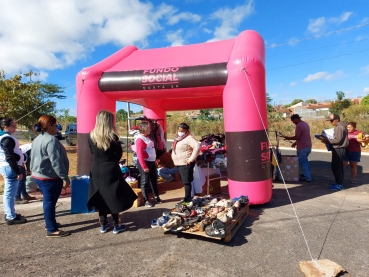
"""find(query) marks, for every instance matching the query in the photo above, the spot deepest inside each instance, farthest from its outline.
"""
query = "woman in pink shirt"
(353, 150)
(146, 156)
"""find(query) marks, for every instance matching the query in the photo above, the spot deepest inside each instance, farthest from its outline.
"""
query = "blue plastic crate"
(79, 194)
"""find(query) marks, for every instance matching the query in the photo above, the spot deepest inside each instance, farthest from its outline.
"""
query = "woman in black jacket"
(109, 193)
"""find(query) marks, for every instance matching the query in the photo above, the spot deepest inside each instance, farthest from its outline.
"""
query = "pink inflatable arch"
(228, 74)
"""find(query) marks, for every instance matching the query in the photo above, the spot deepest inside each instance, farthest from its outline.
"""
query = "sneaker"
(170, 179)
(16, 220)
(119, 229)
(148, 204)
(16, 216)
(59, 234)
(29, 198)
(20, 201)
(336, 187)
(159, 221)
(104, 228)
(158, 200)
(303, 179)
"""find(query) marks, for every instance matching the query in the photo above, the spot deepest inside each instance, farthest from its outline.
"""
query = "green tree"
(296, 101)
(27, 101)
(340, 104)
(365, 101)
(122, 115)
(311, 101)
(269, 103)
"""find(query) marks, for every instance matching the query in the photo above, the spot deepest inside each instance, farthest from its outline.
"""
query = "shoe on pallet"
(216, 229)
(159, 222)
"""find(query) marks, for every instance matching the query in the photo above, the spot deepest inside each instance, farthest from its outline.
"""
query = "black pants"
(103, 217)
(149, 180)
(337, 164)
(186, 173)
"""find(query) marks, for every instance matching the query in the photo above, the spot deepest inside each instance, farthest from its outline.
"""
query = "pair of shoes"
(158, 200)
(353, 182)
(336, 187)
(16, 216)
(29, 197)
(59, 234)
(20, 201)
(119, 228)
(148, 204)
(16, 220)
(170, 179)
(303, 179)
(104, 228)
(57, 224)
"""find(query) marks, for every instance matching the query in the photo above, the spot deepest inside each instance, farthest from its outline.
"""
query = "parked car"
(58, 135)
(71, 134)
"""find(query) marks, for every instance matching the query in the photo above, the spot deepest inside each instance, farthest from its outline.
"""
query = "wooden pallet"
(231, 228)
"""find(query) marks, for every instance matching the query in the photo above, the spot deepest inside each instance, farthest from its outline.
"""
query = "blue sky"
(314, 48)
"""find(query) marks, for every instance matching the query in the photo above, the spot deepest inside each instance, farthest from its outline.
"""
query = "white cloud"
(315, 76)
(50, 35)
(292, 84)
(175, 38)
(320, 24)
(365, 70)
(316, 25)
(365, 20)
(230, 19)
(334, 76)
(366, 90)
(174, 19)
(208, 31)
(338, 20)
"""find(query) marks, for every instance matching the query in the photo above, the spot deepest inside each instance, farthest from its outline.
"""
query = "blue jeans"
(22, 184)
(10, 190)
(166, 172)
(303, 155)
(51, 190)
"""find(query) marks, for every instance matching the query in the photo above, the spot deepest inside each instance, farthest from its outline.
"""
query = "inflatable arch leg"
(244, 102)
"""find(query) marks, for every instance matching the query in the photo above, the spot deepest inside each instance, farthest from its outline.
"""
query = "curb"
(319, 150)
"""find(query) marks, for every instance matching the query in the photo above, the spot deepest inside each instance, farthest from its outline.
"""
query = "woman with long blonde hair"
(109, 193)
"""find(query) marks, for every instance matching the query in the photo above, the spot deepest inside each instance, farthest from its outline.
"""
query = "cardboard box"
(290, 168)
(140, 200)
(214, 185)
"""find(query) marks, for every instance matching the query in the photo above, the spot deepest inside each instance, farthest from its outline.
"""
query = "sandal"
(216, 229)
(60, 234)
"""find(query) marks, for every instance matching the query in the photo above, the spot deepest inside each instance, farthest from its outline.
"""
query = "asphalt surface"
(268, 243)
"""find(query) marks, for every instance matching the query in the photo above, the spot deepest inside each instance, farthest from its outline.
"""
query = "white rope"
(293, 207)
(266, 132)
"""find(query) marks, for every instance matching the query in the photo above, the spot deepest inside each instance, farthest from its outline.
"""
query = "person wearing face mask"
(185, 149)
(146, 156)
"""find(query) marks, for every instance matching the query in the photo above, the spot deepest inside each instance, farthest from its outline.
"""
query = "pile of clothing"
(212, 151)
(203, 214)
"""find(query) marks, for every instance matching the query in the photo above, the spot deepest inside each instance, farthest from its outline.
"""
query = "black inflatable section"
(165, 78)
